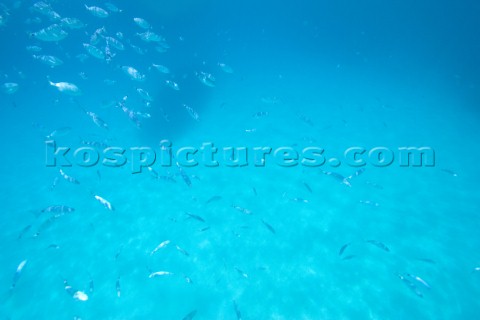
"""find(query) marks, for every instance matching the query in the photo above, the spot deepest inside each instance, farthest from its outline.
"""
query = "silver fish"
(97, 11)
(68, 178)
(52, 33)
(50, 61)
(105, 203)
(94, 51)
(160, 246)
(160, 274)
(17, 274)
(379, 245)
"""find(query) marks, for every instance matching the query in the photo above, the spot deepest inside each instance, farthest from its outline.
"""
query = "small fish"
(342, 249)
(241, 209)
(185, 177)
(339, 177)
(144, 94)
(417, 278)
(308, 187)
(194, 216)
(77, 295)
(195, 116)
(52, 33)
(142, 23)
(212, 199)
(204, 229)
(105, 203)
(17, 274)
(68, 178)
(117, 286)
(53, 246)
(206, 78)
(427, 260)
(160, 274)
(133, 73)
(410, 285)
(187, 279)
(91, 287)
(190, 315)
(60, 132)
(237, 311)
(225, 68)
(299, 200)
(450, 172)
(160, 246)
(254, 191)
(97, 11)
(24, 231)
(113, 8)
(94, 51)
(66, 87)
(379, 245)
(172, 85)
(269, 227)
(50, 61)
(182, 250)
(349, 257)
(58, 209)
(54, 183)
(369, 203)
(260, 114)
(161, 68)
(240, 272)
(97, 120)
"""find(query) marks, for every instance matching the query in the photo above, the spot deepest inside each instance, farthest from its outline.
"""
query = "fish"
(338, 176)
(212, 199)
(51, 33)
(133, 73)
(76, 294)
(91, 286)
(410, 285)
(130, 113)
(58, 209)
(307, 187)
(237, 311)
(160, 246)
(66, 87)
(53, 246)
(161, 68)
(115, 43)
(17, 274)
(97, 120)
(369, 203)
(144, 94)
(160, 274)
(97, 11)
(450, 172)
(68, 178)
(206, 78)
(24, 231)
(94, 51)
(268, 226)
(379, 245)
(299, 200)
(105, 203)
(225, 68)
(150, 37)
(142, 23)
(194, 216)
(50, 61)
(172, 85)
(60, 132)
(240, 272)
(349, 257)
(427, 260)
(342, 249)
(10, 87)
(417, 278)
(190, 315)
(260, 114)
(72, 23)
(185, 177)
(241, 209)
(192, 113)
(117, 287)
(187, 279)
(33, 48)
(113, 8)
(182, 250)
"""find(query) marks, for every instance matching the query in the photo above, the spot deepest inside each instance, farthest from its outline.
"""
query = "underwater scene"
(284, 160)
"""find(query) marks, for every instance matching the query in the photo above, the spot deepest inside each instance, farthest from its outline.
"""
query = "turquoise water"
(262, 242)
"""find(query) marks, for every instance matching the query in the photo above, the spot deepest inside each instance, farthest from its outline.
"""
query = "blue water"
(327, 74)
